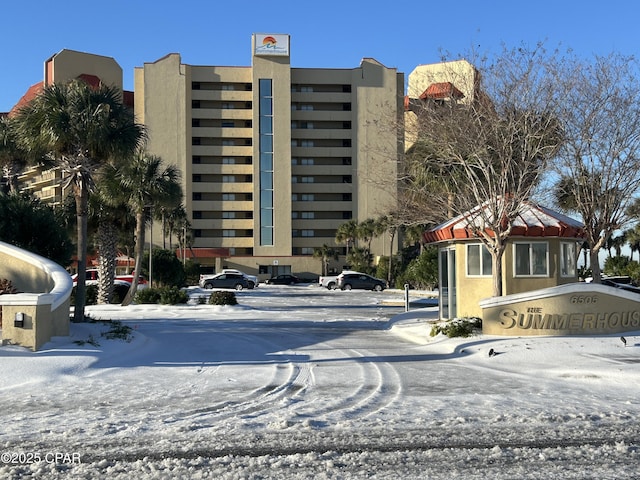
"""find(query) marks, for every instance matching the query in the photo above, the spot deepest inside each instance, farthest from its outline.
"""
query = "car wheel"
(347, 287)
(239, 286)
(332, 286)
(208, 286)
(378, 288)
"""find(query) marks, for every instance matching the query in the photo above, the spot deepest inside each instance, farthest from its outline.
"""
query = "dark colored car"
(283, 279)
(348, 281)
(227, 280)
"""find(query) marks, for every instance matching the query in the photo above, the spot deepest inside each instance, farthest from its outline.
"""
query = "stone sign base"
(571, 309)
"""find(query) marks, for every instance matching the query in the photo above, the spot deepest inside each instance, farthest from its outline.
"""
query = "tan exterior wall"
(44, 304)
(470, 291)
(333, 161)
(67, 65)
(460, 73)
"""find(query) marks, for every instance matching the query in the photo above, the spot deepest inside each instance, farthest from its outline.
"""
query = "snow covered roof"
(532, 221)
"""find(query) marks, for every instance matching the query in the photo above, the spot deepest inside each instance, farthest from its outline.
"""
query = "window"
(306, 107)
(531, 259)
(229, 196)
(228, 179)
(228, 214)
(265, 127)
(228, 160)
(227, 86)
(306, 251)
(568, 259)
(307, 215)
(307, 233)
(228, 143)
(228, 124)
(306, 143)
(228, 233)
(478, 260)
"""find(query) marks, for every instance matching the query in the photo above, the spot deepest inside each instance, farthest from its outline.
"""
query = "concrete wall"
(44, 303)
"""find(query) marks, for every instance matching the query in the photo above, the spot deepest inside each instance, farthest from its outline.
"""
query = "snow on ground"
(302, 382)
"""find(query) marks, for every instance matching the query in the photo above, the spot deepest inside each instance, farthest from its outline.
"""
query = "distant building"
(63, 67)
(274, 159)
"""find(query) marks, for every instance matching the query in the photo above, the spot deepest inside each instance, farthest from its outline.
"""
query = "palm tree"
(112, 216)
(12, 158)
(81, 128)
(146, 184)
(633, 239)
(325, 254)
(347, 233)
(367, 230)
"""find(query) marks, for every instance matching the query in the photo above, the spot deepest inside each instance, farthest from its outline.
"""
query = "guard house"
(541, 252)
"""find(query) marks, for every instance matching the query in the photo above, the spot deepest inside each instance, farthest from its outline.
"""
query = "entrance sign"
(571, 309)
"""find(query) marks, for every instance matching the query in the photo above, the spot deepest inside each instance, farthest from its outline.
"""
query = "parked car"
(348, 281)
(226, 280)
(252, 279)
(91, 278)
(331, 281)
(283, 279)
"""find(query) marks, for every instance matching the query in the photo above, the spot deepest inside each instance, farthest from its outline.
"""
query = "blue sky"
(328, 34)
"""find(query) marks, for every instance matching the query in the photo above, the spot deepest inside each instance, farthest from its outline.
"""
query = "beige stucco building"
(455, 81)
(63, 67)
(274, 158)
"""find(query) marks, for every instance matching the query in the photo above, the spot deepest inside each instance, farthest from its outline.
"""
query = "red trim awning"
(532, 221)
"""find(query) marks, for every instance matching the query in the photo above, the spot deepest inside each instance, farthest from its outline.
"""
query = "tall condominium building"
(273, 158)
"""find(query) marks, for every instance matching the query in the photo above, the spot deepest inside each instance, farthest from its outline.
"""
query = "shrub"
(460, 327)
(173, 296)
(167, 268)
(147, 295)
(91, 295)
(162, 295)
(7, 287)
(118, 331)
(223, 298)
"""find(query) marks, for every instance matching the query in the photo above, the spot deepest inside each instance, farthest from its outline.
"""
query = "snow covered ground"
(302, 382)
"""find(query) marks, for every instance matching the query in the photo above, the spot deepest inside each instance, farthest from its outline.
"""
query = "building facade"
(273, 158)
(63, 67)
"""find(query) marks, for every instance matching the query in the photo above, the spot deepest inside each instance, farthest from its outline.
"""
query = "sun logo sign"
(272, 45)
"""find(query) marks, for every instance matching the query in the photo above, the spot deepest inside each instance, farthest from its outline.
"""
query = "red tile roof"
(438, 91)
(532, 221)
(32, 93)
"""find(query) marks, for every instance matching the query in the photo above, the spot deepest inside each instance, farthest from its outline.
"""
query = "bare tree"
(484, 156)
(599, 164)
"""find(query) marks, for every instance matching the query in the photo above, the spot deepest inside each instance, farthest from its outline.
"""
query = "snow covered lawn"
(302, 382)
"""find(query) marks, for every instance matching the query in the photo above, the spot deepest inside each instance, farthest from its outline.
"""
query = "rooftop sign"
(274, 44)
